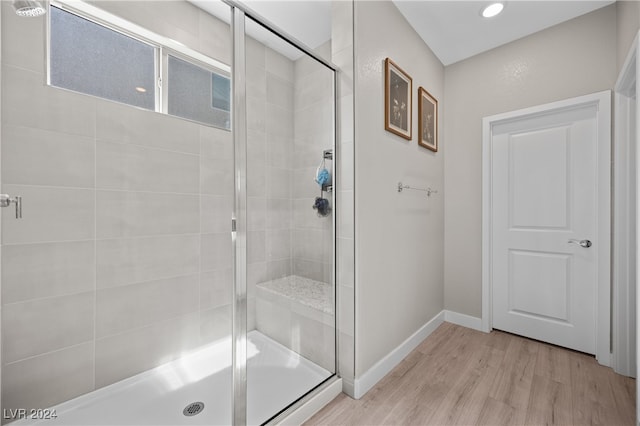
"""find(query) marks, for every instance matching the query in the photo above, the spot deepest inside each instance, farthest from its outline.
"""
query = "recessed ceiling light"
(141, 89)
(492, 10)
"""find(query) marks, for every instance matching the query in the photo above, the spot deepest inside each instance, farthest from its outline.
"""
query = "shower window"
(89, 58)
(99, 54)
(198, 94)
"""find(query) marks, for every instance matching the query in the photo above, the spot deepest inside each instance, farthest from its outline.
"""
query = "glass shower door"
(290, 224)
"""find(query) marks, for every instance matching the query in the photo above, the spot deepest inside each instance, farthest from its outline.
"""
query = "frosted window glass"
(198, 94)
(89, 58)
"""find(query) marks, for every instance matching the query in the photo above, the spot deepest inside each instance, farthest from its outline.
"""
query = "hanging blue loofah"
(323, 177)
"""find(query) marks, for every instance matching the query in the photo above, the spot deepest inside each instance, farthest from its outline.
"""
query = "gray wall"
(628, 22)
(399, 236)
(571, 59)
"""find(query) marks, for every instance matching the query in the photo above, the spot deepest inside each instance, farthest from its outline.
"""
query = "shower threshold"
(276, 377)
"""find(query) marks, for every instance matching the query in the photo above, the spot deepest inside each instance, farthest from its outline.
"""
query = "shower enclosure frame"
(239, 14)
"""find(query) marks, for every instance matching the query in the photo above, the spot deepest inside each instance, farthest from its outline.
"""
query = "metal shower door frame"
(239, 13)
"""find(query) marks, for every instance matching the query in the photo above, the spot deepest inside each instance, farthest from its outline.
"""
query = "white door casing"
(546, 181)
(627, 137)
(625, 200)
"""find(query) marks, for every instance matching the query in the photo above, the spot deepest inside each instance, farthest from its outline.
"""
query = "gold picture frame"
(427, 120)
(398, 93)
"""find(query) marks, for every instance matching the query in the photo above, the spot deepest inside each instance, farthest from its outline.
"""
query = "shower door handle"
(6, 200)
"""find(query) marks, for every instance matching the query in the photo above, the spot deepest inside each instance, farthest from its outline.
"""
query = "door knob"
(6, 200)
(581, 243)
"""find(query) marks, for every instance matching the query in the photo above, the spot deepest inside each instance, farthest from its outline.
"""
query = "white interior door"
(546, 215)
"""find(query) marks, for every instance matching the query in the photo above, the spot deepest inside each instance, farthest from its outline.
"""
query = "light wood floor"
(465, 377)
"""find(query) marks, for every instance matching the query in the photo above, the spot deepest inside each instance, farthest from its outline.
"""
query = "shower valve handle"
(6, 200)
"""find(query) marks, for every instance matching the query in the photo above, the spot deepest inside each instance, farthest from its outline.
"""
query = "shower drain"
(193, 409)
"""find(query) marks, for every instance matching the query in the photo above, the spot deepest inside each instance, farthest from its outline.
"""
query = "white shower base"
(276, 377)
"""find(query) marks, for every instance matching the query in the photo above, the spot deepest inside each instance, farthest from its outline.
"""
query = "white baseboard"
(349, 387)
(385, 365)
(364, 383)
(312, 406)
(463, 320)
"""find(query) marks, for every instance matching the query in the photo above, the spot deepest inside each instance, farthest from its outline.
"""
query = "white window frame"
(165, 52)
(163, 47)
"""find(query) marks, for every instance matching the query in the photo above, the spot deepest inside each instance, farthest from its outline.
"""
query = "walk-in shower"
(169, 266)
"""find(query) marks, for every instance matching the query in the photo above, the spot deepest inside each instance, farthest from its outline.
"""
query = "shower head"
(28, 8)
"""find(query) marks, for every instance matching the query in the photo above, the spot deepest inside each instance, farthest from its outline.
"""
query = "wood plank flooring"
(459, 376)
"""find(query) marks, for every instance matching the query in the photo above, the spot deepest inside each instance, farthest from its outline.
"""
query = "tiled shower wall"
(303, 329)
(269, 136)
(312, 235)
(122, 258)
(289, 106)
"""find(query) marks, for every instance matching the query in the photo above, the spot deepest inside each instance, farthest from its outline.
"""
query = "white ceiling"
(306, 21)
(453, 29)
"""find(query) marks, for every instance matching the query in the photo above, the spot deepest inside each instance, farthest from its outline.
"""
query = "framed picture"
(397, 100)
(427, 120)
